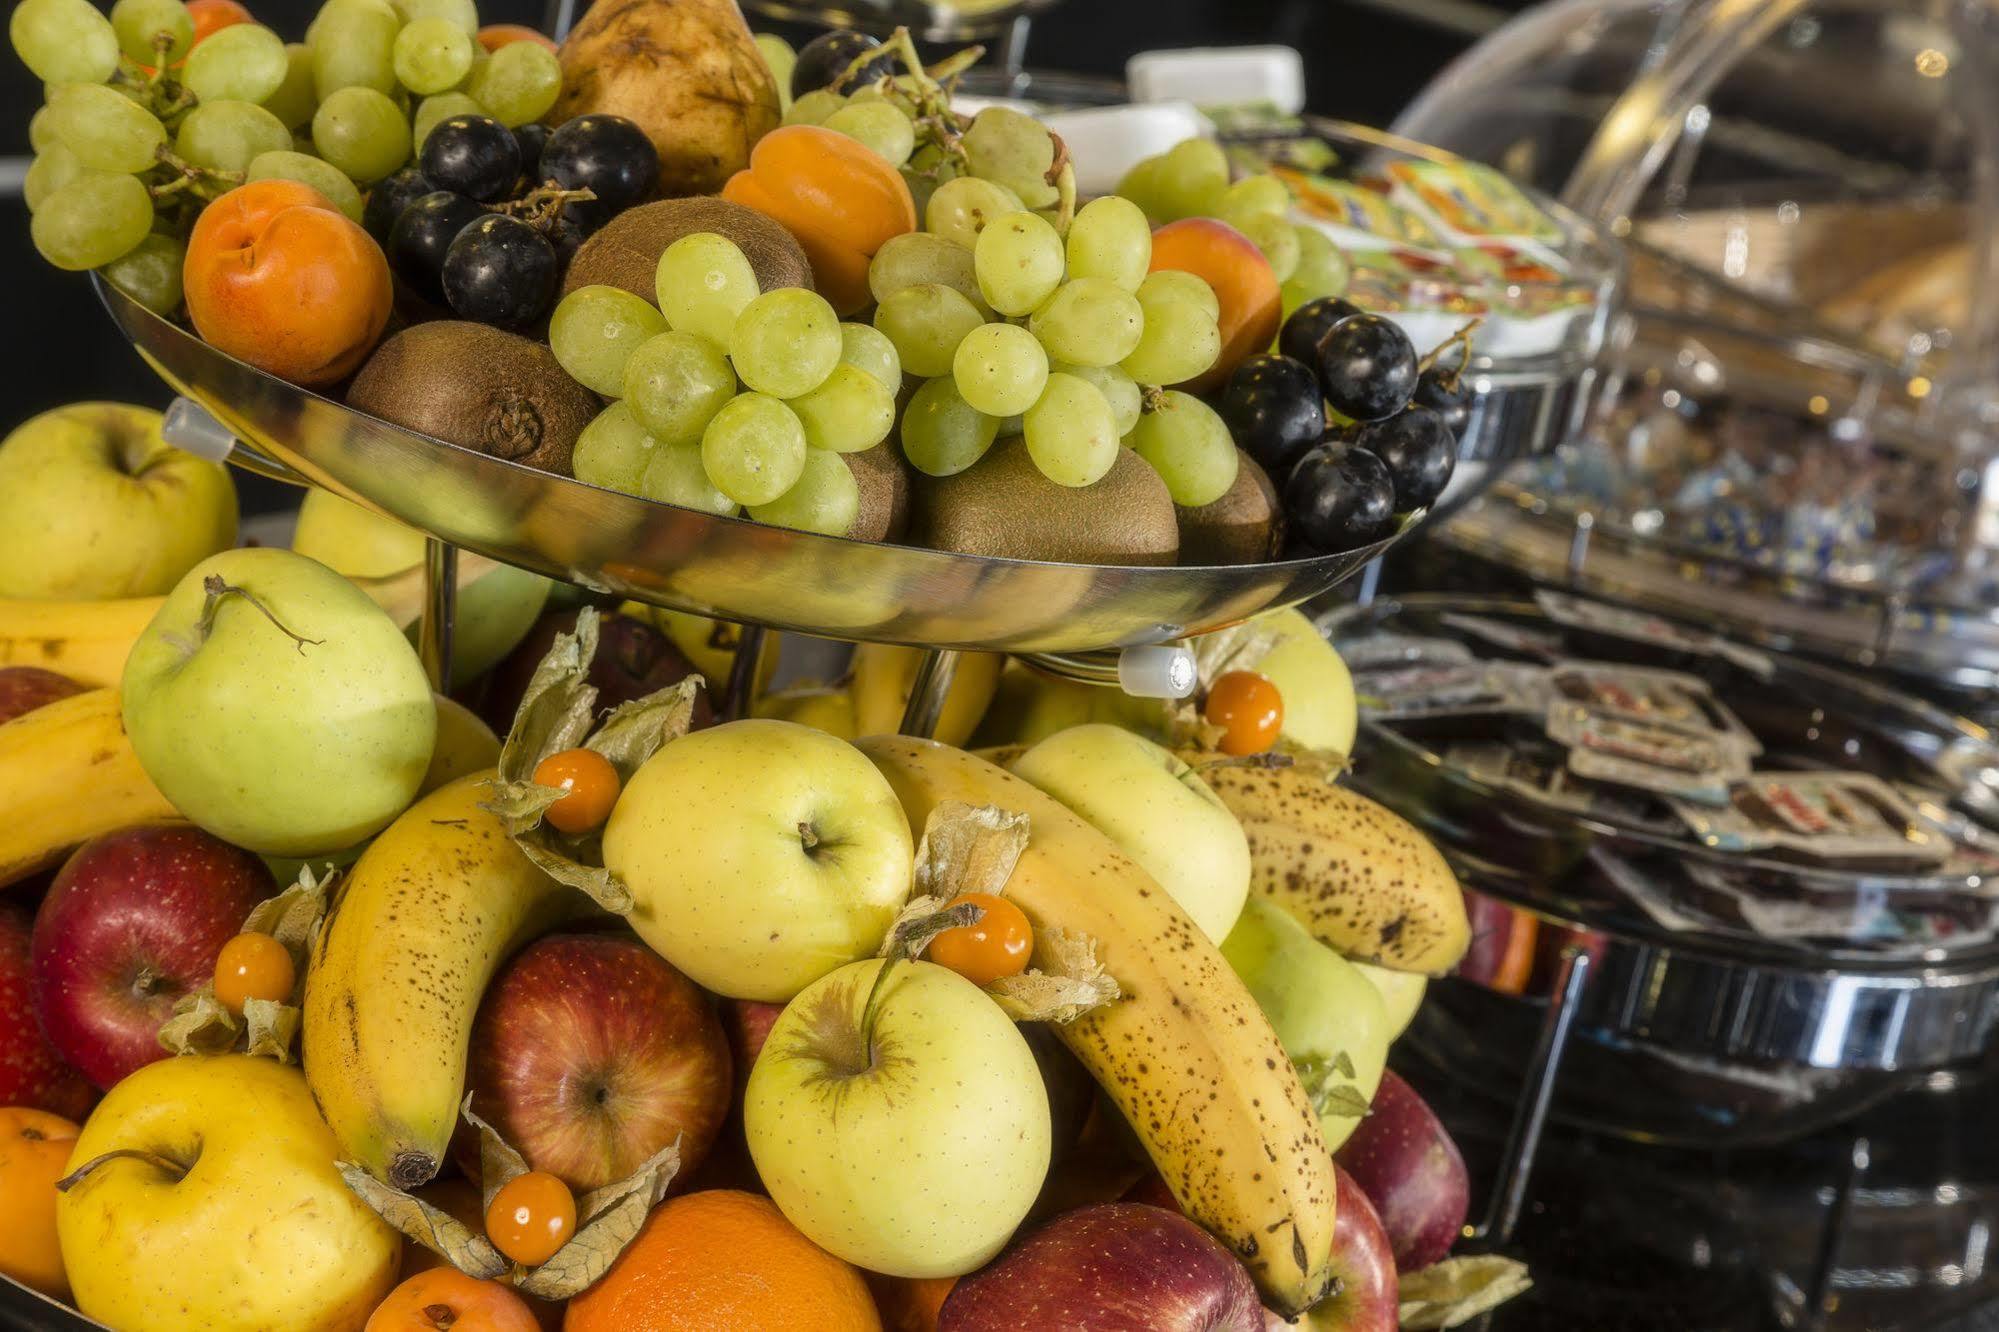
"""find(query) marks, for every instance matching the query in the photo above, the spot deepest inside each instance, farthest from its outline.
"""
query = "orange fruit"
(723, 1261)
(910, 1304)
(445, 1298)
(34, 1154)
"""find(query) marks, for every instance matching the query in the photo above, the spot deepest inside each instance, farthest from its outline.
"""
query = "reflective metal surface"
(729, 568)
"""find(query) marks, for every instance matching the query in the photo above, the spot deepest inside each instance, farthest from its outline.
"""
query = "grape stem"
(1152, 398)
(541, 206)
(1462, 341)
(205, 183)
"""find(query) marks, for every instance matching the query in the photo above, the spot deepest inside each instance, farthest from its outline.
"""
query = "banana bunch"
(1363, 880)
(434, 905)
(1185, 1053)
(67, 773)
(84, 640)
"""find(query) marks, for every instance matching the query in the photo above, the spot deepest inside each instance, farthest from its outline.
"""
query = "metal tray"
(729, 568)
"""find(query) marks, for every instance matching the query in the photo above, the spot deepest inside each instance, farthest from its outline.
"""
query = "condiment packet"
(1633, 626)
(1469, 201)
(1692, 763)
(1646, 695)
(1408, 693)
(1356, 217)
(1381, 651)
(1512, 637)
(1511, 768)
(1836, 817)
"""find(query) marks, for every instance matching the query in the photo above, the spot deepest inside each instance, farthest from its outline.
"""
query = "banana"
(84, 640)
(67, 773)
(420, 924)
(1362, 879)
(885, 675)
(1185, 1053)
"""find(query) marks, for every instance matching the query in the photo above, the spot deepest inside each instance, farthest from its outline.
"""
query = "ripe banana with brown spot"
(1185, 1053)
(1361, 878)
(418, 927)
(68, 773)
(87, 641)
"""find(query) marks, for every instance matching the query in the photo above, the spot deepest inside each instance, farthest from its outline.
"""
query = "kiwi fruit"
(478, 387)
(1003, 506)
(883, 478)
(625, 252)
(1244, 526)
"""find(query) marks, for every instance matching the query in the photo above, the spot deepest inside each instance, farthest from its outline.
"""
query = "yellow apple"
(709, 644)
(234, 1217)
(916, 1154)
(1401, 993)
(497, 603)
(1320, 711)
(1156, 808)
(827, 708)
(1329, 1019)
(95, 505)
(761, 855)
(884, 676)
(1030, 705)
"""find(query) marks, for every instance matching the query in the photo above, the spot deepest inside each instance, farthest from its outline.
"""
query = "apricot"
(444, 1298)
(839, 199)
(34, 1154)
(1251, 302)
(276, 276)
(212, 16)
(496, 35)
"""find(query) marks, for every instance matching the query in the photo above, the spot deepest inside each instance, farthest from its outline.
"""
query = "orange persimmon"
(443, 1298)
(276, 276)
(1244, 284)
(841, 200)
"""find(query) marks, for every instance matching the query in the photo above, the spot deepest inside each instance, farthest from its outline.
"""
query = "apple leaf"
(1329, 1085)
(1455, 1291)
(1066, 981)
(559, 712)
(969, 849)
(422, 1223)
(200, 1024)
(607, 1220)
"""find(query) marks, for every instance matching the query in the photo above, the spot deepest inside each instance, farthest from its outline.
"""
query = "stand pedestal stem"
(1523, 1139)
(743, 672)
(927, 692)
(440, 611)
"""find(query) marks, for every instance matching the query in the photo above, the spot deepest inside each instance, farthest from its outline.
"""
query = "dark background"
(1363, 63)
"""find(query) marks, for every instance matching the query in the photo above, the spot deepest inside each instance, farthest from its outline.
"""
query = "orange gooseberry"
(997, 944)
(531, 1217)
(253, 966)
(592, 784)
(1249, 710)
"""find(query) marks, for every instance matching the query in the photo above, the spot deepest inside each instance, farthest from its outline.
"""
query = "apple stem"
(217, 589)
(165, 1164)
(807, 838)
(871, 1010)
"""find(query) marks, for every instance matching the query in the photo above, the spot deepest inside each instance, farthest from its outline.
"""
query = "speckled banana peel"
(1185, 1053)
(419, 925)
(87, 641)
(1362, 879)
(68, 773)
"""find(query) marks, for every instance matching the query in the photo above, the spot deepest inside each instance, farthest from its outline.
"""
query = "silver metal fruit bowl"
(728, 568)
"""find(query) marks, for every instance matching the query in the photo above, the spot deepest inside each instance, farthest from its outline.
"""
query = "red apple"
(132, 922)
(1503, 938)
(748, 1023)
(1366, 1299)
(1410, 1170)
(31, 1072)
(633, 659)
(1113, 1267)
(25, 688)
(590, 1053)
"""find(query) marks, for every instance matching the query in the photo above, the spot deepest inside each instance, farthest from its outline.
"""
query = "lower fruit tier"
(896, 1032)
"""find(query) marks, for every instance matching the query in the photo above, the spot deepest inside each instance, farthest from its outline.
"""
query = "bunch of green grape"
(1191, 179)
(144, 124)
(1016, 328)
(727, 399)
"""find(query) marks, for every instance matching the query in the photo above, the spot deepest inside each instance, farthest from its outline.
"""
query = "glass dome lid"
(1801, 400)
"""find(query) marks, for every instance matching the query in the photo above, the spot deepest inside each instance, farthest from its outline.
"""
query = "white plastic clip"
(191, 428)
(1156, 672)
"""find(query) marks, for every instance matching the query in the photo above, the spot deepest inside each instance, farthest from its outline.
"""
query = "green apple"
(1401, 993)
(1156, 808)
(223, 1209)
(1320, 711)
(914, 1154)
(761, 855)
(1329, 1019)
(95, 505)
(497, 603)
(277, 706)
